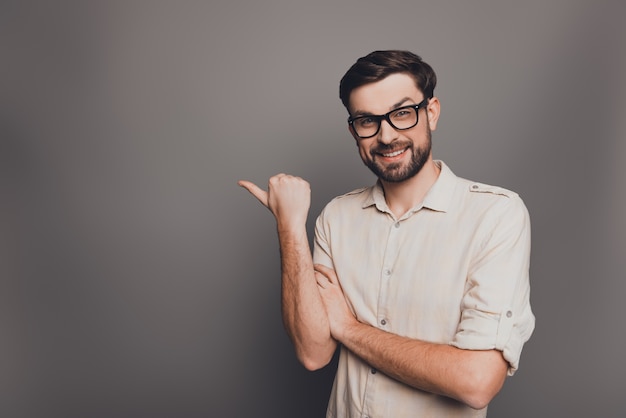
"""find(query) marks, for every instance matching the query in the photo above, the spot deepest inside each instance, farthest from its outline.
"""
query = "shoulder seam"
(353, 192)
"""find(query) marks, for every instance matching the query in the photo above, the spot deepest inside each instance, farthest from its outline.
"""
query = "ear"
(433, 110)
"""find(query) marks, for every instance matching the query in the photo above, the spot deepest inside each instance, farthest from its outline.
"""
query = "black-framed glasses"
(402, 118)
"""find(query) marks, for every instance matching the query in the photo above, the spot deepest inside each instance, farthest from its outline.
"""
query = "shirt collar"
(438, 197)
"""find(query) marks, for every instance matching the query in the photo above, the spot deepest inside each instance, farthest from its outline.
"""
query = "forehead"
(384, 95)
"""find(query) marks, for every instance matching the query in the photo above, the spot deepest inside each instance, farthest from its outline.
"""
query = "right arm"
(304, 313)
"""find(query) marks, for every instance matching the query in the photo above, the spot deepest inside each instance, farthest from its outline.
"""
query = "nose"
(387, 133)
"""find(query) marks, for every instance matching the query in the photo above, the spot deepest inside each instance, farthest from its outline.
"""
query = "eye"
(365, 121)
(402, 113)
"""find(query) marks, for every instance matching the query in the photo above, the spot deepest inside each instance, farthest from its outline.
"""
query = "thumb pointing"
(255, 190)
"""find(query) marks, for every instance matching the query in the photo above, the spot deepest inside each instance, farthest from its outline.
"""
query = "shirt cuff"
(481, 330)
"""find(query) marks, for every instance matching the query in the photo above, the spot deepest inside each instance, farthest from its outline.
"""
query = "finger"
(322, 281)
(327, 272)
(255, 190)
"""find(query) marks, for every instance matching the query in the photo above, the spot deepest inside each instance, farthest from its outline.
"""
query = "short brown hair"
(378, 65)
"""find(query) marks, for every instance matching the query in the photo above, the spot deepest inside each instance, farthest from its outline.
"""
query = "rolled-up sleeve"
(321, 248)
(495, 309)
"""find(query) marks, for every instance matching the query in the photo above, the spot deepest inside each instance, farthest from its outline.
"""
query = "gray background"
(138, 280)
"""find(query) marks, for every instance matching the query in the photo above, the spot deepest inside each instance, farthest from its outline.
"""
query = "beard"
(398, 172)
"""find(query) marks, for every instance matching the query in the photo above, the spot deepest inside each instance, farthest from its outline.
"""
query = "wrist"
(347, 330)
(291, 227)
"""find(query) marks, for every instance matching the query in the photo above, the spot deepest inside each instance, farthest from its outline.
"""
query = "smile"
(393, 154)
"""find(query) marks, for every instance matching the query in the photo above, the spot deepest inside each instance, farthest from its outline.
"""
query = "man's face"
(394, 155)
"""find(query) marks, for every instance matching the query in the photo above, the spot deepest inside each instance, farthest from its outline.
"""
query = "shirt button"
(475, 186)
(387, 272)
(383, 322)
(373, 371)
(397, 225)
(509, 314)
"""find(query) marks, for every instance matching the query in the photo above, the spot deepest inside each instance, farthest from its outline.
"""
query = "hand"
(287, 197)
(340, 316)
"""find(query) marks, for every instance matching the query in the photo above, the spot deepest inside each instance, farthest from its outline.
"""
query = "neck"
(407, 194)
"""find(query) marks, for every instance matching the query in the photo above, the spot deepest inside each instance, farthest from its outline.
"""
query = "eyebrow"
(359, 113)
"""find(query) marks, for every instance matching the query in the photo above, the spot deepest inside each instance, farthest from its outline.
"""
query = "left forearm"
(472, 377)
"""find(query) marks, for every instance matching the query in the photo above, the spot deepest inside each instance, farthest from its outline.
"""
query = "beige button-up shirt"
(453, 270)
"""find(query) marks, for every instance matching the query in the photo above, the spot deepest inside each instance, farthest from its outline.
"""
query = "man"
(422, 279)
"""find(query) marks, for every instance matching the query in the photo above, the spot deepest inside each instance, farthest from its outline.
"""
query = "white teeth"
(393, 154)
